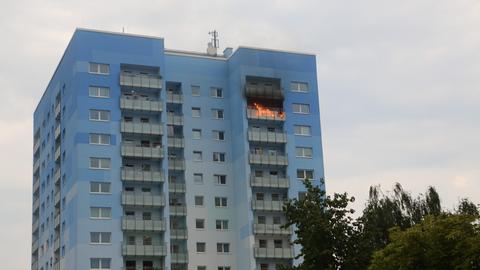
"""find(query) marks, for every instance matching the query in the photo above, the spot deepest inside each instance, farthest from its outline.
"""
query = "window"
(223, 247)
(195, 90)
(217, 113)
(275, 197)
(220, 179)
(262, 243)
(100, 263)
(221, 224)
(259, 196)
(303, 130)
(198, 178)
(277, 220)
(99, 163)
(301, 108)
(200, 224)
(304, 152)
(264, 266)
(261, 220)
(99, 115)
(196, 112)
(100, 92)
(101, 212)
(196, 134)
(277, 243)
(218, 135)
(100, 238)
(197, 155)
(299, 87)
(216, 92)
(220, 202)
(147, 216)
(223, 268)
(218, 157)
(201, 247)
(103, 139)
(201, 267)
(100, 187)
(198, 200)
(305, 174)
(98, 68)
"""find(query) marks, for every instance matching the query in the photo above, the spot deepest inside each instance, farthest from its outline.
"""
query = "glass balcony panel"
(270, 181)
(137, 224)
(134, 199)
(130, 174)
(157, 249)
(142, 152)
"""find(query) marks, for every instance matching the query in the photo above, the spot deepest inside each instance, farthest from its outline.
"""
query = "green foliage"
(439, 242)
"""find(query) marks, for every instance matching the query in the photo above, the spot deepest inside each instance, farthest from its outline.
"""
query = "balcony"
(144, 250)
(35, 225)
(143, 81)
(263, 87)
(271, 159)
(57, 221)
(178, 210)
(269, 182)
(176, 142)
(56, 244)
(34, 245)
(36, 204)
(266, 136)
(36, 145)
(180, 234)
(175, 119)
(268, 114)
(56, 266)
(273, 253)
(36, 184)
(57, 198)
(130, 174)
(275, 229)
(176, 164)
(174, 98)
(142, 151)
(141, 128)
(137, 224)
(141, 105)
(57, 110)
(36, 165)
(178, 257)
(176, 187)
(56, 176)
(267, 205)
(58, 130)
(58, 153)
(145, 200)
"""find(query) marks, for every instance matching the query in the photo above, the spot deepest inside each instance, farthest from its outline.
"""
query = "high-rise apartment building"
(149, 158)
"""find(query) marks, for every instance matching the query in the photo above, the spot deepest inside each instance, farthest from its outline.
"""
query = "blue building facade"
(148, 158)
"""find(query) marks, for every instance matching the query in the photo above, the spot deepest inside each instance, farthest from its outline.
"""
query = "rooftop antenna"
(215, 41)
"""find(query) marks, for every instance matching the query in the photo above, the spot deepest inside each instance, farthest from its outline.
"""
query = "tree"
(323, 226)
(446, 241)
(466, 207)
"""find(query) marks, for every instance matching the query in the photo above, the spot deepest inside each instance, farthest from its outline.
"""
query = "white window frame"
(297, 86)
(223, 245)
(195, 201)
(204, 247)
(102, 162)
(304, 172)
(304, 152)
(194, 93)
(203, 222)
(218, 178)
(99, 91)
(198, 132)
(101, 214)
(214, 92)
(196, 109)
(198, 175)
(219, 157)
(96, 68)
(101, 186)
(224, 268)
(216, 135)
(215, 114)
(98, 114)
(224, 224)
(100, 139)
(101, 263)
(303, 130)
(101, 240)
(200, 155)
(303, 108)
(223, 202)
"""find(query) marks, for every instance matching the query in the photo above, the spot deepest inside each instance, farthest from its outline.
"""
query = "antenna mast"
(215, 41)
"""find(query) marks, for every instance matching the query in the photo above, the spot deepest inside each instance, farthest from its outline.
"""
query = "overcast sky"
(398, 80)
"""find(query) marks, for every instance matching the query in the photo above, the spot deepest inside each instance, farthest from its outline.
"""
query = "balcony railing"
(176, 164)
(175, 119)
(273, 253)
(57, 131)
(178, 210)
(57, 221)
(36, 145)
(178, 257)
(141, 128)
(35, 225)
(34, 245)
(179, 233)
(263, 91)
(271, 229)
(176, 142)
(269, 181)
(265, 114)
(174, 98)
(269, 159)
(56, 176)
(137, 224)
(146, 200)
(144, 250)
(140, 105)
(130, 174)
(142, 151)
(267, 205)
(176, 187)
(56, 243)
(56, 266)
(36, 165)
(136, 80)
(57, 198)
(36, 184)
(266, 136)
(57, 110)
(58, 153)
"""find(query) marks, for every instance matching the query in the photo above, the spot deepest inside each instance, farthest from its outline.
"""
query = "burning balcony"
(258, 111)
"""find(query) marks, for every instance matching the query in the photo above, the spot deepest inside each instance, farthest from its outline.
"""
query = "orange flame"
(266, 112)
